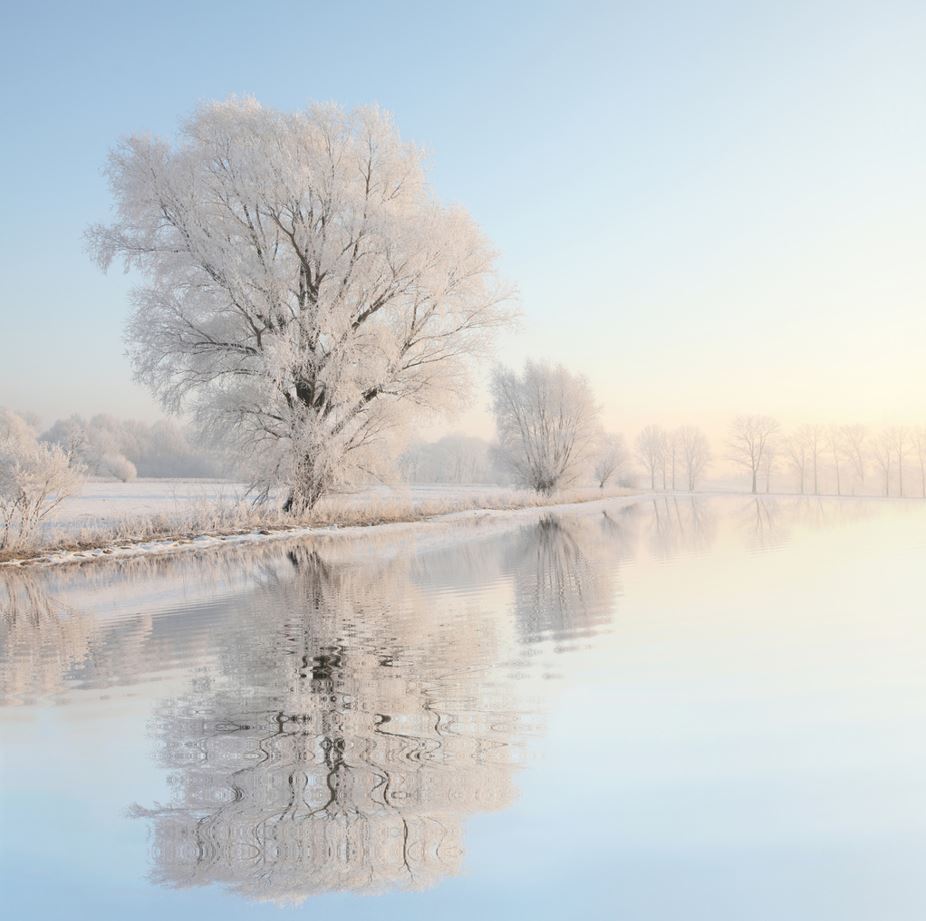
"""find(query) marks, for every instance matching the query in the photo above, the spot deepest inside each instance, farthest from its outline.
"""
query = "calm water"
(641, 710)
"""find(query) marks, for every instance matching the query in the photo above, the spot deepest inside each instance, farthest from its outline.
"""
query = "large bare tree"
(304, 288)
(547, 424)
(749, 444)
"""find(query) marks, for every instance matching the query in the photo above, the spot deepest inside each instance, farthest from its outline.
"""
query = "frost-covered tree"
(814, 437)
(695, 451)
(796, 450)
(652, 448)
(855, 444)
(97, 444)
(547, 424)
(305, 291)
(611, 460)
(900, 443)
(770, 462)
(834, 441)
(34, 479)
(124, 448)
(749, 444)
(882, 453)
(919, 443)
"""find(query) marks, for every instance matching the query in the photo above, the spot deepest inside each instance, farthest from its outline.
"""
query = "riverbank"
(211, 524)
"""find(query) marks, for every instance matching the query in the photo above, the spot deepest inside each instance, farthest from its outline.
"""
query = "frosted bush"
(34, 478)
(118, 466)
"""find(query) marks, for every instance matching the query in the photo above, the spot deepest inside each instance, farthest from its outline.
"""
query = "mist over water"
(651, 708)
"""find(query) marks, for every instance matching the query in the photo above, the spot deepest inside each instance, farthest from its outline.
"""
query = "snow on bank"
(107, 503)
(162, 546)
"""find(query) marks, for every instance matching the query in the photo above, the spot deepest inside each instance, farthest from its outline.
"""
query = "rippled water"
(640, 709)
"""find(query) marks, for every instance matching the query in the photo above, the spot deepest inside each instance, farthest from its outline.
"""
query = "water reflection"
(41, 640)
(341, 707)
(565, 572)
(679, 525)
(338, 743)
(359, 712)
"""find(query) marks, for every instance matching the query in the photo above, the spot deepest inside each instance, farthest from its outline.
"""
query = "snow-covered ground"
(104, 503)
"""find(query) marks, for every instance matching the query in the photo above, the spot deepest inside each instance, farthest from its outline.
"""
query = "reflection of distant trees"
(680, 525)
(565, 569)
(344, 735)
(347, 713)
(767, 523)
(40, 640)
(762, 524)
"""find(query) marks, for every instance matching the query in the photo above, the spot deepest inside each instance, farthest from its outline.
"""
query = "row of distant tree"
(840, 459)
(124, 449)
(549, 437)
(817, 459)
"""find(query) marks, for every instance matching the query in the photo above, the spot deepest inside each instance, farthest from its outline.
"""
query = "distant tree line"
(550, 436)
(836, 459)
(123, 449)
(456, 459)
(674, 459)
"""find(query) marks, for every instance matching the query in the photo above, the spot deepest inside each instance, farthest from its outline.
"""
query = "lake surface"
(659, 709)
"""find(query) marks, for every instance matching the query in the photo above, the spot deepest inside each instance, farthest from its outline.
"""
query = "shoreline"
(181, 542)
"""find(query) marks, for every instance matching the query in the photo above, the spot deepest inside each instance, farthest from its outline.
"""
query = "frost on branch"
(305, 292)
(547, 423)
(34, 478)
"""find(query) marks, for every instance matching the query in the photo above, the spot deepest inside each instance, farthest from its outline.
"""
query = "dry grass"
(223, 517)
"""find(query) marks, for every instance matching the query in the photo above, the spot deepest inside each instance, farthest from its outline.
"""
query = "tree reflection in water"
(565, 572)
(360, 712)
(345, 734)
(353, 702)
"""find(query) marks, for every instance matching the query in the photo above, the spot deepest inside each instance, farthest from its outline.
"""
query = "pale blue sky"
(709, 208)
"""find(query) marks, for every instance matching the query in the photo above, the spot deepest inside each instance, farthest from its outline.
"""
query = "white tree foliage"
(547, 424)
(305, 289)
(34, 478)
(123, 448)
